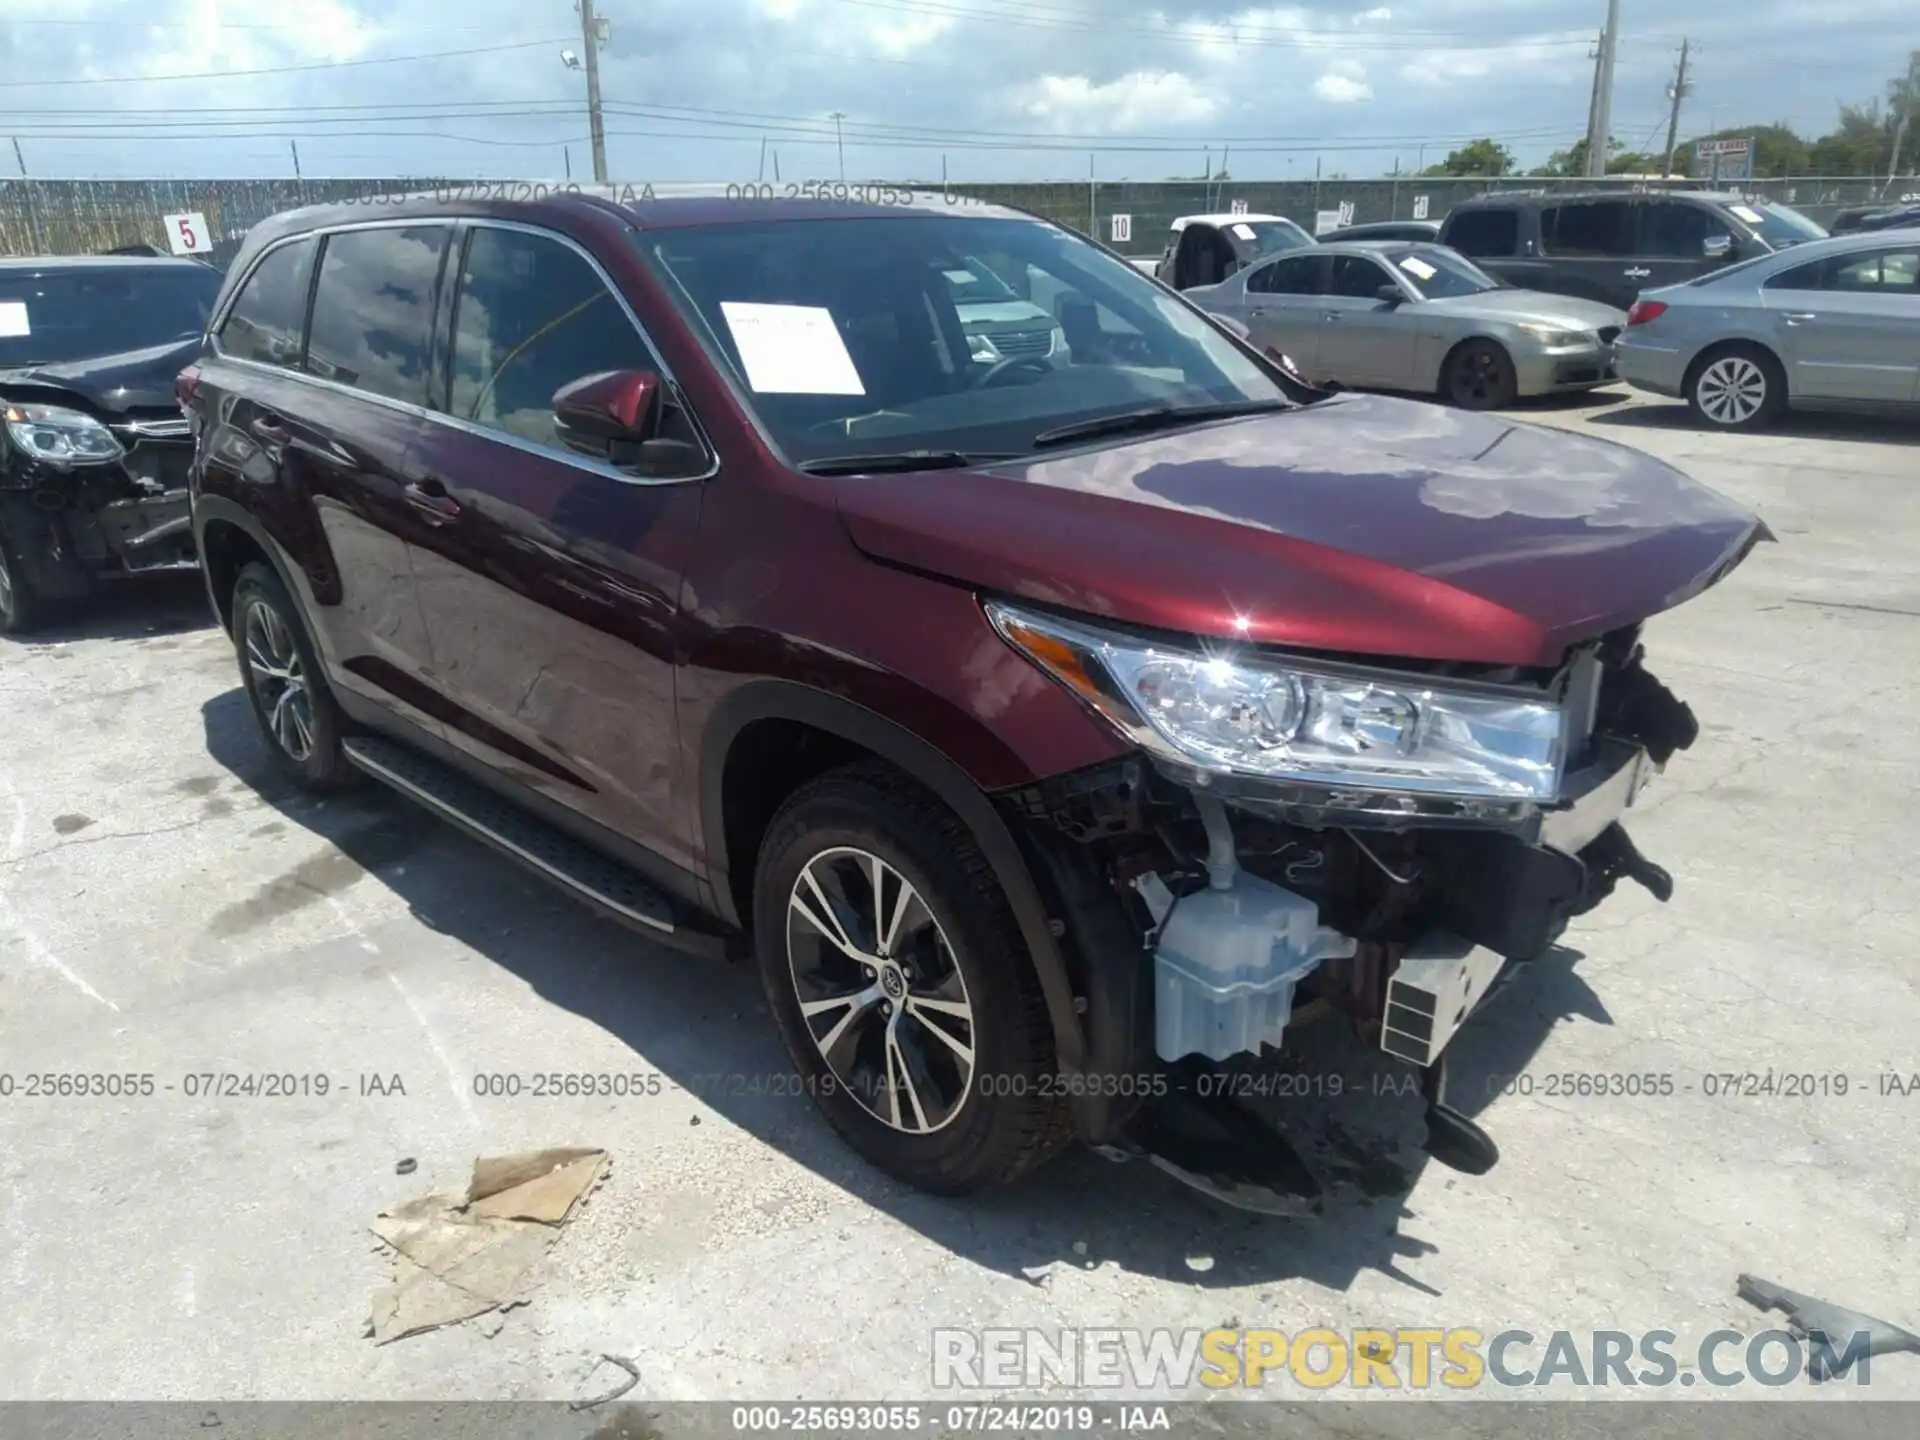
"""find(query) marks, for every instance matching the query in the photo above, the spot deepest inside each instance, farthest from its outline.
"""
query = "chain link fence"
(85, 217)
(1147, 210)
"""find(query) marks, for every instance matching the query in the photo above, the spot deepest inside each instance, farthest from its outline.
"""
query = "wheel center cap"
(892, 982)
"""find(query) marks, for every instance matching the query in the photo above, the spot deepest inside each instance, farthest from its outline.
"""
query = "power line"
(273, 69)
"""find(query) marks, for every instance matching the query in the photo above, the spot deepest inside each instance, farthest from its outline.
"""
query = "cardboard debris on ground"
(455, 1259)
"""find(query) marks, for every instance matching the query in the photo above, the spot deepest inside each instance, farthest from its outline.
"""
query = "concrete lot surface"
(168, 908)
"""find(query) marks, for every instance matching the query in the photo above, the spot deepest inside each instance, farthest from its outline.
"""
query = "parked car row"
(1051, 694)
(1743, 308)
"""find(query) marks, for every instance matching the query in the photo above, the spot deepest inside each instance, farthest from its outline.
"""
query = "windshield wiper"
(1153, 417)
(896, 462)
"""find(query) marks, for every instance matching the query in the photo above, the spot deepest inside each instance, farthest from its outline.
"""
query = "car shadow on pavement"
(136, 609)
(1795, 424)
(704, 1026)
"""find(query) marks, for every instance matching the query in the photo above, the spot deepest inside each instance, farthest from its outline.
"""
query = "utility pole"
(592, 32)
(1600, 118)
(1900, 130)
(839, 145)
(1679, 92)
(294, 145)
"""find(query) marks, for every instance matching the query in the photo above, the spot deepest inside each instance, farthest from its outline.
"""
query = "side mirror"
(1391, 294)
(608, 415)
(1717, 247)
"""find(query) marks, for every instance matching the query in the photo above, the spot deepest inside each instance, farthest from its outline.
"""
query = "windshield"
(78, 314)
(844, 336)
(1442, 274)
(1778, 225)
(975, 284)
(1257, 239)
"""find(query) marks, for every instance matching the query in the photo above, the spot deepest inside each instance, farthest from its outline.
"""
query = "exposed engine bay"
(1242, 909)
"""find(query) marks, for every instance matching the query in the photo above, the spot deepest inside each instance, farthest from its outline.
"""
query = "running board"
(549, 852)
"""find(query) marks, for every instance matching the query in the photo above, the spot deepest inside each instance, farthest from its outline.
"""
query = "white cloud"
(906, 36)
(1142, 100)
(1379, 15)
(1344, 82)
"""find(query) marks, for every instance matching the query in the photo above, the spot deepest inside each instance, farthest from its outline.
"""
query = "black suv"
(1611, 246)
(94, 448)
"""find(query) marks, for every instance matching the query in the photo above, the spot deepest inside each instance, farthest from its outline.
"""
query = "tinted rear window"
(82, 313)
(1485, 232)
(373, 310)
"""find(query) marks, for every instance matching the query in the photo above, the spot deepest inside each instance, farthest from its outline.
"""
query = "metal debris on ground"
(633, 1379)
(1830, 1326)
(457, 1258)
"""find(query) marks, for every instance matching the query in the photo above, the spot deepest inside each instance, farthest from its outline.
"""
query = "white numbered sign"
(1238, 207)
(1419, 207)
(187, 234)
(1122, 229)
(1346, 213)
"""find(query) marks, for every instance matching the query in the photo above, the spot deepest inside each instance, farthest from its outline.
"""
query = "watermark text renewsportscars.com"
(1406, 1359)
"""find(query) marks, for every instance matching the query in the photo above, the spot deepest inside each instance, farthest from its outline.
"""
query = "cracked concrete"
(149, 1245)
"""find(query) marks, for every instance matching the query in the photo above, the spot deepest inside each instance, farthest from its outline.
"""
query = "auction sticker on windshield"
(1418, 268)
(13, 319)
(791, 349)
(1245, 232)
(1747, 213)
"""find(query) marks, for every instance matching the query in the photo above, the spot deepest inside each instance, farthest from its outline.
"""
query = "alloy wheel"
(1476, 376)
(1732, 390)
(880, 991)
(279, 681)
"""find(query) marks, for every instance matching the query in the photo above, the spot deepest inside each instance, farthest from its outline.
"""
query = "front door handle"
(1329, 314)
(430, 498)
(1639, 272)
(1800, 317)
(270, 429)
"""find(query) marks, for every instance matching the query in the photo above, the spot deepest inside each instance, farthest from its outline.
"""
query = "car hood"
(115, 384)
(1567, 311)
(1361, 525)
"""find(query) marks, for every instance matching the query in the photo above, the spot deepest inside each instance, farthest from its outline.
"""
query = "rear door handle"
(1638, 273)
(1800, 317)
(1329, 314)
(430, 498)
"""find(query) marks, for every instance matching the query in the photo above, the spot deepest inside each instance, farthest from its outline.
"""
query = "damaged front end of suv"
(1299, 834)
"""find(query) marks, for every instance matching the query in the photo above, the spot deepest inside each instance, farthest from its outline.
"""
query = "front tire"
(21, 608)
(285, 688)
(1737, 387)
(901, 984)
(1479, 375)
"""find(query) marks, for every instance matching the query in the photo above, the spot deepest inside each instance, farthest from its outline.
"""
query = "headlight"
(982, 349)
(1555, 338)
(61, 436)
(1247, 714)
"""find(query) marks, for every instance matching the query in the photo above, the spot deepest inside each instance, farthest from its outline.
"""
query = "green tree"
(1858, 145)
(1478, 157)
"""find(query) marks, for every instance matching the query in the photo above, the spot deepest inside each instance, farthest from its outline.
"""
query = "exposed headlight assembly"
(60, 436)
(1328, 737)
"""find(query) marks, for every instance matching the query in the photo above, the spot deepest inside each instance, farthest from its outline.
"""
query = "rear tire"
(21, 608)
(1479, 375)
(286, 690)
(1737, 387)
(950, 1096)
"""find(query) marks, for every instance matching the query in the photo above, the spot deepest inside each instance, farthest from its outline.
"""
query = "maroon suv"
(1054, 696)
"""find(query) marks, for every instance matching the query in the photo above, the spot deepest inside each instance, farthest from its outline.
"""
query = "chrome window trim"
(663, 369)
(461, 224)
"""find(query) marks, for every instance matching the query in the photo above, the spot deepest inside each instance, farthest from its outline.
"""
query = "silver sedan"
(1831, 323)
(1400, 315)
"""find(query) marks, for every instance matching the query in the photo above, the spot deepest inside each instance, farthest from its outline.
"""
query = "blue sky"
(997, 89)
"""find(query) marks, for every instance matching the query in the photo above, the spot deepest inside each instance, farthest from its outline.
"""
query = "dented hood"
(1363, 525)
